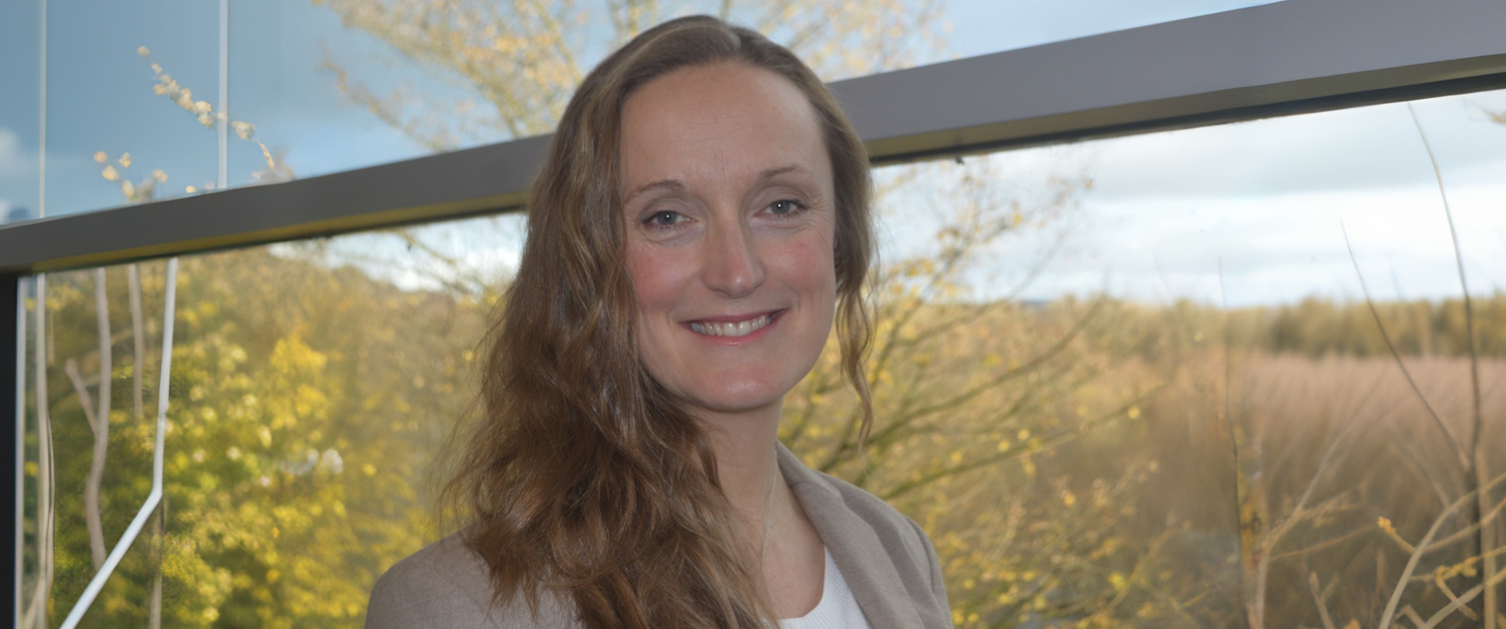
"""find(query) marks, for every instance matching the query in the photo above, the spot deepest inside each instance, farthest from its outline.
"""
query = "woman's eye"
(663, 218)
(785, 207)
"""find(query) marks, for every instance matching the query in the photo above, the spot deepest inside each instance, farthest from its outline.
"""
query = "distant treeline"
(1316, 327)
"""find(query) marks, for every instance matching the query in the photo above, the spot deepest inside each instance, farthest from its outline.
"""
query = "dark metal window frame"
(1291, 57)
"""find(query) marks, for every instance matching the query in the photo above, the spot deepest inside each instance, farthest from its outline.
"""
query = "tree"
(519, 61)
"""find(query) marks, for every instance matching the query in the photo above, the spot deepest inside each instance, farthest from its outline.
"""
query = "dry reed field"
(1346, 470)
(1253, 490)
(1101, 463)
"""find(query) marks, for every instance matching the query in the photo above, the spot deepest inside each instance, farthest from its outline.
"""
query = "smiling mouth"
(730, 329)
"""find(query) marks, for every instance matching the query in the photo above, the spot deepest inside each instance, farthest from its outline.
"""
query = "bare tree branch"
(1395, 355)
(1477, 470)
(1312, 584)
(1422, 546)
(92, 510)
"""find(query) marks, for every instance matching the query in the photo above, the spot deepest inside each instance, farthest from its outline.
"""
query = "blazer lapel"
(866, 565)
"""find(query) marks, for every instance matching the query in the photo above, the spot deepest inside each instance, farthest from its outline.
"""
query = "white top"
(837, 609)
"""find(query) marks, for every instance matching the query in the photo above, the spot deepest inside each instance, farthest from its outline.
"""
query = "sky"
(1237, 214)
(100, 99)
(1256, 212)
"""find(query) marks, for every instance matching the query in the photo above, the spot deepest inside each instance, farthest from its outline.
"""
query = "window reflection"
(92, 354)
(339, 85)
(112, 139)
(20, 64)
(324, 87)
(1135, 382)
(315, 88)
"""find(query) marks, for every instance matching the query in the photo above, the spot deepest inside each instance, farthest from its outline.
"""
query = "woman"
(701, 220)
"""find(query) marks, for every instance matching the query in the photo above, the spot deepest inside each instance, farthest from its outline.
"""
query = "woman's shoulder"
(446, 584)
(838, 503)
(889, 557)
(894, 527)
(891, 525)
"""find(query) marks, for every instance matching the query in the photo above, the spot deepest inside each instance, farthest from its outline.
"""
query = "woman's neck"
(745, 462)
(779, 538)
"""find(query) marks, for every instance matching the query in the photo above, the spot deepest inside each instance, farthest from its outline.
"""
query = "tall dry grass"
(1346, 471)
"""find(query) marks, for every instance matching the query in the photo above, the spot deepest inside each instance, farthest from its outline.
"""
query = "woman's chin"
(751, 398)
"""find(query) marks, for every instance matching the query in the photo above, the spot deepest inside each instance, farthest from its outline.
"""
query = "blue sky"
(99, 96)
(1262, 199)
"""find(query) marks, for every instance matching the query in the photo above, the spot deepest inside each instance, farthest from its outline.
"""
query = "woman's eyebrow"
(674, 185)
(780, 170)
(671, 185)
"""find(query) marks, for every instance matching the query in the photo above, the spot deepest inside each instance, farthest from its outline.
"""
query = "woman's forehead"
(722, 121)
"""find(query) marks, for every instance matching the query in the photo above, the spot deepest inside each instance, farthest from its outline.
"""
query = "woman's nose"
(732, 263)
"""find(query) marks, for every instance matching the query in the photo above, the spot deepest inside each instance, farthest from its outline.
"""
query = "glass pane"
(137, 594)
(92, 369)
(302, 463)
(20, 67)
(289, 60)
(316, 88)
(978, 27)
(331, 86)
(1144, 381)
(1131, 382)
(131, 91)
(301, 437)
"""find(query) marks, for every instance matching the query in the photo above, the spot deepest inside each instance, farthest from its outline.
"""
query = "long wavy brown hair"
(579, 473)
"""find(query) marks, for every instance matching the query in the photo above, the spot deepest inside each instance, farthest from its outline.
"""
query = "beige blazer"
(886, 558)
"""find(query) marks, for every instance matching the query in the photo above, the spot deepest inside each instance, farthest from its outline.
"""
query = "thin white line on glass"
(42, 122)
(20, 420)
(36, 614)
(223, 125)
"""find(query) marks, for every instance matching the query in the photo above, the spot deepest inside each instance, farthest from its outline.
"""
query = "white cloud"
(1279, 248)
(1263, 200)
(487, 249)
(15, 162)
(1365, 148)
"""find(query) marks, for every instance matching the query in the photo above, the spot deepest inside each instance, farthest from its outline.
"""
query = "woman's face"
(727, 190)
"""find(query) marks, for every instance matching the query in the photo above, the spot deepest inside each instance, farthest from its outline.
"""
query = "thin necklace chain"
(768, 509)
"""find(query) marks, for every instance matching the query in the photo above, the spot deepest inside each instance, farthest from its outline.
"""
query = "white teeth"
(741, 328)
